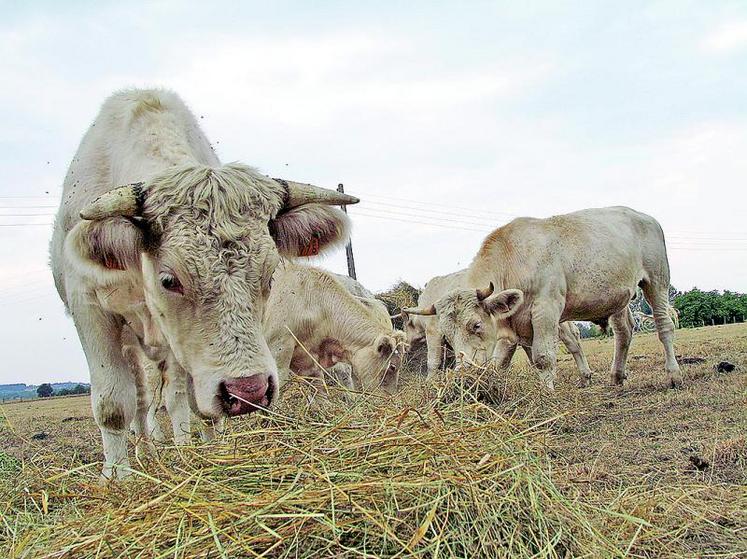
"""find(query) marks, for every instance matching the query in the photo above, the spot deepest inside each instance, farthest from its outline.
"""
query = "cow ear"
(385, 345)
(504, 303)
(310, 230)
(114, 243)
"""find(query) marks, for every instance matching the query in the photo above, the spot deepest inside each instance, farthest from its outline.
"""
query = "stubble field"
(479, 464)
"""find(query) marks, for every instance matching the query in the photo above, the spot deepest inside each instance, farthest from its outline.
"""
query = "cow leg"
(622, 326)
(435, 351)
(341, 375)
(571, 339)
(657, 295)
(131, 353)
(151, 397)
(113, 383)
(504, 353)
(545, 321)
(282, 347)
(177, 402)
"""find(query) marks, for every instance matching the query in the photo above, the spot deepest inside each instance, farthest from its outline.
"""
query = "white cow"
(532, 274)
(421, 328)
(309, 310)
(183, 254)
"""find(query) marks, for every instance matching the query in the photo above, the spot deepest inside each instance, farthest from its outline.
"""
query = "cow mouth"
(234, 403)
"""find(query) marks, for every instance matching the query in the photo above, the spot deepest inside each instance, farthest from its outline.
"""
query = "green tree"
(45, 390)
(80, 389)
(698, 308)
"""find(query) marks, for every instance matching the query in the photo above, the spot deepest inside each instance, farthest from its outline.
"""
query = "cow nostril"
(225, 395)
(270, 389)
(241, 395)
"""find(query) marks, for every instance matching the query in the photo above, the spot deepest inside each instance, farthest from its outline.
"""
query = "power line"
(49, 197)
(446, 226)
(25, 207)
(26, 215)
(423, 215)
(493, 221)
(360, 213)
(22, 224)
(448, 206)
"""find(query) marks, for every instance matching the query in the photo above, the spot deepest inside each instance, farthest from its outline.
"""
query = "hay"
(475, 463)
(397, 297)
(415, 476)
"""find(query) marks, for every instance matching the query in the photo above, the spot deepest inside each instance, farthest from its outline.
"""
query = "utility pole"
(349, 246)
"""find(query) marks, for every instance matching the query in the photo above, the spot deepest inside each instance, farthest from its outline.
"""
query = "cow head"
(377, 365)
(205, 242)
(414, 327)
(472, 320)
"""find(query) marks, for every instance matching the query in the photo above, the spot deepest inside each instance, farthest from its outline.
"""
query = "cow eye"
(170, 282)
(477, 327)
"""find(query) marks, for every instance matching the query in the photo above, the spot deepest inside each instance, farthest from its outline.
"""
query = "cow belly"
(601, 305)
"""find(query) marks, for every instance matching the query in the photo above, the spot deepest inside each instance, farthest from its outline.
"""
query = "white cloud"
(726, 39)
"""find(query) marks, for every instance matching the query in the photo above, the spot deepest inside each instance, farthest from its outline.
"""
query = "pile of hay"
(397, 297)
(422, 475)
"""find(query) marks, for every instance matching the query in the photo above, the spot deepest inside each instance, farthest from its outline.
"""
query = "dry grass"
(480, 464)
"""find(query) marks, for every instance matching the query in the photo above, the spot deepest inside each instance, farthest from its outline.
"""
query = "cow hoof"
(675, 382)
(617, 380)
(584, 383)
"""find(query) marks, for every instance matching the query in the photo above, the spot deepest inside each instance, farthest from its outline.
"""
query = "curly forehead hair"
(453, 303)
(221, 201)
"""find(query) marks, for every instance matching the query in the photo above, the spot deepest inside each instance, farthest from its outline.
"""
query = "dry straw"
(428, 474)
(458, 466)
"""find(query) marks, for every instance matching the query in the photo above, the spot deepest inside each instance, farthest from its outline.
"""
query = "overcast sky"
(446, 120)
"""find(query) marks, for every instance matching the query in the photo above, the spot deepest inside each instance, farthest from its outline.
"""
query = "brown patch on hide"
(331, 352)
(110, 414)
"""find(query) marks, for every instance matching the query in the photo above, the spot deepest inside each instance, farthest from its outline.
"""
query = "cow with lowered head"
(533, 274)
(156, 235)
(312, 314)
(426, 328)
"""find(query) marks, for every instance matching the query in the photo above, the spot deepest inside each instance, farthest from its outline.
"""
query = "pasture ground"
(482, 463)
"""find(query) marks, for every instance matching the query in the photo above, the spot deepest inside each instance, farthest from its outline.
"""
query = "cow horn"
(124, 200)
(483, 294)
(299, 194)
(398, 315)
(430, 311)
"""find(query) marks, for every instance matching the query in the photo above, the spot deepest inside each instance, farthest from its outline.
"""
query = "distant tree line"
(46, 390)
(705, 308)
(695, 308)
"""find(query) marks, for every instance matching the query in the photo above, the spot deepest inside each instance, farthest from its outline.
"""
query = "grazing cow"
(310, 310)
(192, 242)
(532, 274)
(423, 327)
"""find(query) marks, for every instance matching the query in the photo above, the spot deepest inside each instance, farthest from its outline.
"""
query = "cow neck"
(166, 145)
(356, 323)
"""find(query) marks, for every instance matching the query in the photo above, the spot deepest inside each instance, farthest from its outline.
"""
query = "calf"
(309, 310)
